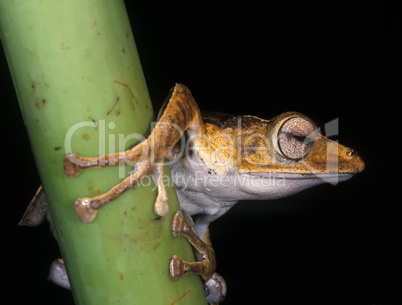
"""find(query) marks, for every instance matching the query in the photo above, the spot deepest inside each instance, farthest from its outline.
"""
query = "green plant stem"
(81, 88)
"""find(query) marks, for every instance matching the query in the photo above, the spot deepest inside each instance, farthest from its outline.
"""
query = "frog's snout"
(355, 160)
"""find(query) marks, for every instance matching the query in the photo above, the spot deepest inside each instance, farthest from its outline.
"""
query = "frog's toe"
(161, 207)
(215, 289)
(71, 165)
(85, 212)
(177, 266)
(58, 274)
(178, 224)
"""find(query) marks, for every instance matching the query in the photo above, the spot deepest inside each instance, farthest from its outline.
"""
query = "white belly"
(202, 191)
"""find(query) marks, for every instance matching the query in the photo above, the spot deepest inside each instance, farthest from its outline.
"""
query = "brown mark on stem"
(114, 105)
(184, 294)
(129, 90)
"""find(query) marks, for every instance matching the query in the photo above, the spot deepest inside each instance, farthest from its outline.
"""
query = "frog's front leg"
(181, 114)
(206, 264)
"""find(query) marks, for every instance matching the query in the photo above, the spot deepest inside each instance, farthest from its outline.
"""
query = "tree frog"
(216, 160)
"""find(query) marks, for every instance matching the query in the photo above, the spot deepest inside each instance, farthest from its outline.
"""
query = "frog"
(216, 160)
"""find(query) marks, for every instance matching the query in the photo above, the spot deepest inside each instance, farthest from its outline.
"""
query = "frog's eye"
(295, 138)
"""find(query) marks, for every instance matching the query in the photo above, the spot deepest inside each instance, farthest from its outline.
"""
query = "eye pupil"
(295, 138)
(299, 138)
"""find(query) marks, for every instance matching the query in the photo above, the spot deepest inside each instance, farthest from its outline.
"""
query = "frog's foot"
(215, 289)
(87, 208)
(58, 274)
(36, 211)
(178, 267)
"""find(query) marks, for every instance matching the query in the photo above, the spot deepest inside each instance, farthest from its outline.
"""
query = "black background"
(327, 245)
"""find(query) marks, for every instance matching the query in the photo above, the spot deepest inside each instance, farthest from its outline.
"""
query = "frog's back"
(225, 121)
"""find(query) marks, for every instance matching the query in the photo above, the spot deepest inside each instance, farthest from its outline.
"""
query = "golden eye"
(295, 138)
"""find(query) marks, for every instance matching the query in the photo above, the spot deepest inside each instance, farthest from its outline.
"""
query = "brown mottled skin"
(287, 146)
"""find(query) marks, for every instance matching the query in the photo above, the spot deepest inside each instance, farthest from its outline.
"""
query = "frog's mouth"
(278, 185)
(332, 178)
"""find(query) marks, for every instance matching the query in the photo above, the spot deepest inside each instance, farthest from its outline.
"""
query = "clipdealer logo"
(105, 131)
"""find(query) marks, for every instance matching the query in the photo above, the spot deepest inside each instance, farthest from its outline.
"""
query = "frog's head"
(292, 147)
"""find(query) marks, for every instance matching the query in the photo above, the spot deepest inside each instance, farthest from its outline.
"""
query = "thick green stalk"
(81, 88)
